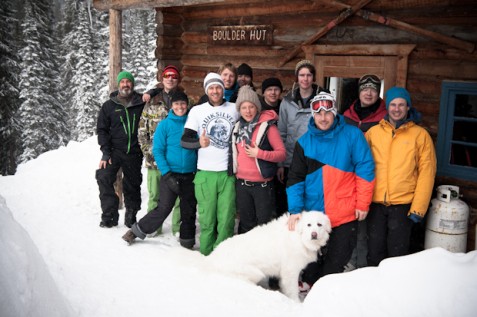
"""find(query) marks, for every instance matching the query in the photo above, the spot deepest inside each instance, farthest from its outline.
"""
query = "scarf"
(245, 130)
(364, 112)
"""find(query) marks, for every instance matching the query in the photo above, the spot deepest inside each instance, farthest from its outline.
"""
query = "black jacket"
(117, 125)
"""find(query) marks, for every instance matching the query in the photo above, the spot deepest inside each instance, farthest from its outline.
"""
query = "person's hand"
(146, 97)
(103, 163)
(415, 218)
(204, 140)
(172, 183)
(251, 150)
(292, 220)
(281, 174)
(361, 214)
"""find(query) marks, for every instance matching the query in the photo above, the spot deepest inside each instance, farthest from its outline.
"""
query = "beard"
(125, 92)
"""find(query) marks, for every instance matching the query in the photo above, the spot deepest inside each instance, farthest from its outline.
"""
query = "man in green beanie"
(117, 127)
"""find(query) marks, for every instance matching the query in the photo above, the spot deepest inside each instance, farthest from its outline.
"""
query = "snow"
(56, 261)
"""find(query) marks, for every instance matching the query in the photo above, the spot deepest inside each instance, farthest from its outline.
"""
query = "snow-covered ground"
(55, 260)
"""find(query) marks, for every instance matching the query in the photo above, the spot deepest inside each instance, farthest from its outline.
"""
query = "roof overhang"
(104, 5)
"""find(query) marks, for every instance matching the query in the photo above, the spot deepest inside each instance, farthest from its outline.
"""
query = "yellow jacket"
(405, 162)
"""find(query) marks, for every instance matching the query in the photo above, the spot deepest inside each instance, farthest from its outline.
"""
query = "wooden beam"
(103, 5)
(115, 52)
(371, 16)
(325, 29)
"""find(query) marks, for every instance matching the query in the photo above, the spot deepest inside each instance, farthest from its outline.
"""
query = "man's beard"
(125, 92)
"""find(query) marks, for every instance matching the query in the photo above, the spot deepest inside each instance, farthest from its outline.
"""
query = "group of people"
(238, 154)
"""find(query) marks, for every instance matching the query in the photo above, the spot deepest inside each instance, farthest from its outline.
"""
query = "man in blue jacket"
(117, 127)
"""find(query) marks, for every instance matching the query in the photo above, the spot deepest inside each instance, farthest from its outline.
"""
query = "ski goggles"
(369, 81)
(170, 76)
(319, 105)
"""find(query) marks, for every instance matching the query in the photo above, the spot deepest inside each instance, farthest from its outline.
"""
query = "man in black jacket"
(117, 128)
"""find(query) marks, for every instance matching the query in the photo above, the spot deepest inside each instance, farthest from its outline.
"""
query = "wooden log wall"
(182, 40)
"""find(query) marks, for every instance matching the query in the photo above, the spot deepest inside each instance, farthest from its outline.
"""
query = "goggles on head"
(369, 79)
(318, 105)
(170, 75)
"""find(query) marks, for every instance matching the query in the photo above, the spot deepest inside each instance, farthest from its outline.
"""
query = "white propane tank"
(447, 221)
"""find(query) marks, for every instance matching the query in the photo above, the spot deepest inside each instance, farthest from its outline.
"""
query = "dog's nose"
(314, 235)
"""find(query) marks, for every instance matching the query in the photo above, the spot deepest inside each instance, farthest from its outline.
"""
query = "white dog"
(273, 250)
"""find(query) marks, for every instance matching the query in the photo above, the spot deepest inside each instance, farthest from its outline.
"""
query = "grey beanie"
(246, 93)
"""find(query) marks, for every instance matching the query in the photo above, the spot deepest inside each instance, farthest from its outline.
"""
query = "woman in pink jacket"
(256, 149)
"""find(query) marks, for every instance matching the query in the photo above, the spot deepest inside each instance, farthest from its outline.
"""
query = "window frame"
(450, 89)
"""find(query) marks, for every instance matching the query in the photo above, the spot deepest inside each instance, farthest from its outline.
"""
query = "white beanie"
(213, 79)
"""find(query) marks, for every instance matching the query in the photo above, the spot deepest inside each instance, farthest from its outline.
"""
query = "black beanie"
(179, 96)
(270, 82)
(244, 69)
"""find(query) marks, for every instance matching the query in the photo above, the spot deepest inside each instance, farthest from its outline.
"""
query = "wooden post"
(325, 29)
(115, 65)
(115, 50)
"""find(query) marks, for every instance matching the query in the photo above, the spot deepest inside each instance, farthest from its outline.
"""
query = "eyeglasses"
(318, 105)
(170, 76)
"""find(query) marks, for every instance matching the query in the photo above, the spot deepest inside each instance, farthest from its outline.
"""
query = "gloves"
(172, 183)
(415, 218)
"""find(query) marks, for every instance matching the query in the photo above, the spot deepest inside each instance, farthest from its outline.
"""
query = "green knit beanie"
(124, 74)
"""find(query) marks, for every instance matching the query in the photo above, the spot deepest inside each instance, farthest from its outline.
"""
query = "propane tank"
(447, 221)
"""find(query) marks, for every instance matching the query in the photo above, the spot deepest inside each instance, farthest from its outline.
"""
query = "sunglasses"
(170, 76)
(318, 105)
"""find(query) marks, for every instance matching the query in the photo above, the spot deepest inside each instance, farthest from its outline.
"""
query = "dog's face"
(314, 228)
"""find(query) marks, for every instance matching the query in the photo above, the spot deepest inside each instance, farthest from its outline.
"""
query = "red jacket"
(351, 117)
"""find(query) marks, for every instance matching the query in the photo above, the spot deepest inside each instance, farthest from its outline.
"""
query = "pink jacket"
(246, 167)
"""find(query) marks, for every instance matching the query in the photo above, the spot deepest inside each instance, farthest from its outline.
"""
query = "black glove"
(172, 183)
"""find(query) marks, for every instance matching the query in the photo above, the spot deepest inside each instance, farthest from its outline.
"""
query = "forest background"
(54, 72)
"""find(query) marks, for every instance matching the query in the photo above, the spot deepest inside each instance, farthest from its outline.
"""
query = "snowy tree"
(102, 53)
(139, 38)
(9, 93)
(42, 116)
(79, 70)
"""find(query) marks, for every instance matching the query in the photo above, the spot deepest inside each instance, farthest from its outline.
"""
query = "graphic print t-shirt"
(218, 124)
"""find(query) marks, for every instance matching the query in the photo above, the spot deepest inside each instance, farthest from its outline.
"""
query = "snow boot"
(129, 237)
(187, 243)
(130, 217)
(108, 223)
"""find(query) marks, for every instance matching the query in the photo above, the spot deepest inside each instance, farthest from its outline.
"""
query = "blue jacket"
(170, 156)
(331, 171)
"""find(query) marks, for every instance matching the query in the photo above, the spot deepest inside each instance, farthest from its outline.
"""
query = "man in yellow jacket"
(405, 170)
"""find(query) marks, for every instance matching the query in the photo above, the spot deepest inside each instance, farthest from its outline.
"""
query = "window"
(457, 135)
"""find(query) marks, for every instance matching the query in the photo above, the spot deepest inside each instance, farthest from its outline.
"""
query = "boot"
(130, 217)
(187, 243)
(129, 237)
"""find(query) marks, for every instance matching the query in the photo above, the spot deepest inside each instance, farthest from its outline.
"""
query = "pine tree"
(42, 116)
(140, 30)
(9, 93)
(79, 71)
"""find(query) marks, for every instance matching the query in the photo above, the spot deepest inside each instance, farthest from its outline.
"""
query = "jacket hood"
(338, 124)
(412, 116)
(175, 117)
(268, 115)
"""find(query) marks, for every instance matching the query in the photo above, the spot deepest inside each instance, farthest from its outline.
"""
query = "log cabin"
(427, 46)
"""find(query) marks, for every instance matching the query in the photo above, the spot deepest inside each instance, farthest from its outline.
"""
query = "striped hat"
(213, 79)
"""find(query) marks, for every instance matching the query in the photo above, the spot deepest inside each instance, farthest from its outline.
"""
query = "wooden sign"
(240, 35)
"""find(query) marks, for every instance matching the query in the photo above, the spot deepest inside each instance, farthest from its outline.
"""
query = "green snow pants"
(215, 193)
